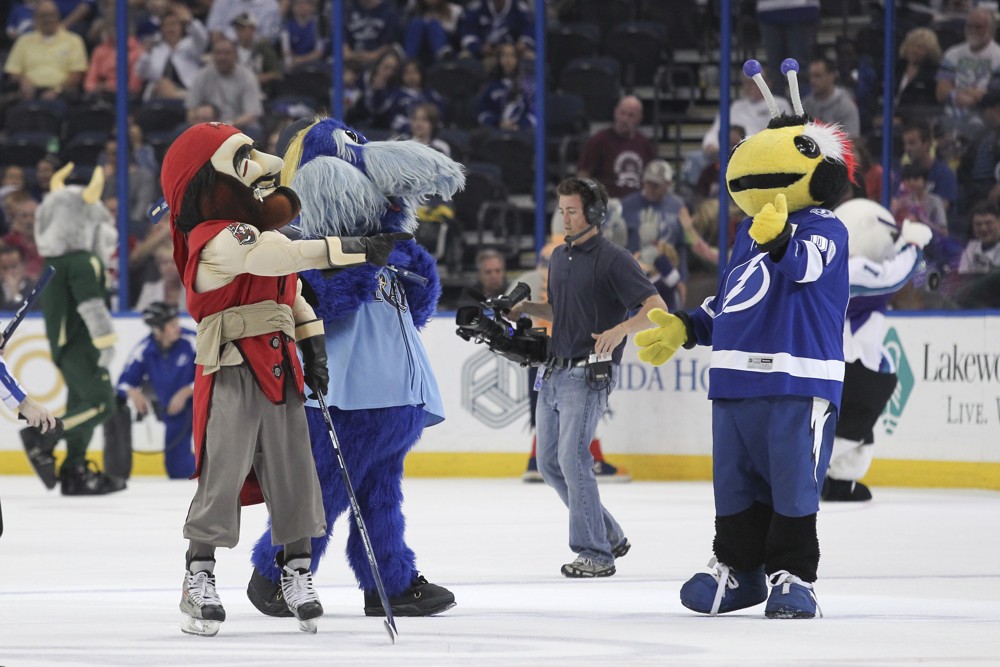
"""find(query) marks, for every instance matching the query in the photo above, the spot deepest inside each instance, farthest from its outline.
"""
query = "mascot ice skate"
(883, 259)
(382, 391)
(251, 438)
(76, 235)
(776, 330)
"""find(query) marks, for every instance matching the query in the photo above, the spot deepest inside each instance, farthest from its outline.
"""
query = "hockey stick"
(390, 623)
(28, 302)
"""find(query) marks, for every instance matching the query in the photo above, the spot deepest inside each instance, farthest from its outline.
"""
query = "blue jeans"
(566, 419)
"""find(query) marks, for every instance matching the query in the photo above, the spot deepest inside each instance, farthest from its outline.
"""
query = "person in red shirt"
(618, 155)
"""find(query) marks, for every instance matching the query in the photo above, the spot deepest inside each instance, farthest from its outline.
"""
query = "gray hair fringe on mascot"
(382, 391)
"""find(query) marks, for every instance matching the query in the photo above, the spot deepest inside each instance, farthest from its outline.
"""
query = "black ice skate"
(200, 603)
(839, 490)
(84, 479)
(39, 447)
(297, 588)
(422, 598)
(267, 596)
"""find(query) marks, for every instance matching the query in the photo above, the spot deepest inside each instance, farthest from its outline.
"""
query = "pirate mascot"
(251, 439)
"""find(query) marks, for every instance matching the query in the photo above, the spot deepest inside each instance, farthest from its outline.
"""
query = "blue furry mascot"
(382, 389)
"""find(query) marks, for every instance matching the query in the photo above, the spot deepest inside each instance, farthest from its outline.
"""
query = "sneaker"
(606, 472)
(790, 597)
(844, 490)
(723, 589)
(532, 474)
(584, 567)
(84, 479)
(621, 548)
(422, 598)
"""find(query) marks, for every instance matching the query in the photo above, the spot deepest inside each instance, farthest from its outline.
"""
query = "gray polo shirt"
(592, 287)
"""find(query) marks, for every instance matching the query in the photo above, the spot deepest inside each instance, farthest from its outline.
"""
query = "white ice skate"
(200, 603)
(297, 587)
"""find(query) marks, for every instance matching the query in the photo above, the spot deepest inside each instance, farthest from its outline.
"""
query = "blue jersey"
(776, 328)
(167, 372)
(376, 359)
(11, 393)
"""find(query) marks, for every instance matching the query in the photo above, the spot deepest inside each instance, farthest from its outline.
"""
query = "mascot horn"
(382, 391)
(776, 329)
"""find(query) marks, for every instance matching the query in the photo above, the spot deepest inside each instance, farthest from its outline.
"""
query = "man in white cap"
(655, 234)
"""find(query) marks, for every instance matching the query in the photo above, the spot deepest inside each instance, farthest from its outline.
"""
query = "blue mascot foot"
(266, 596)
(723, 589)
(420, 599)
(790, 597)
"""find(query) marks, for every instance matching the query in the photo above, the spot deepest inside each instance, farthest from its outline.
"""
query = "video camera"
(521, 343)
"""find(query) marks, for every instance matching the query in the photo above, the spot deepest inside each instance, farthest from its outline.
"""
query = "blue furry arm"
(422, 299)
(342, 292)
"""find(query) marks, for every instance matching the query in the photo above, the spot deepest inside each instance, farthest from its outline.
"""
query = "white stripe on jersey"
(780, 362)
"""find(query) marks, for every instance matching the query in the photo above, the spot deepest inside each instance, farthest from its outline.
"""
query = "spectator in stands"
(143, 188)
(617, 156)
(167, 287)
(829, 102)
(49, 62)
(867, 173)
(977, 170)
(431, 34)
(222, 13)
(13, 179)
(21, 208)
(171, 63)
(14, 284)
(507, 103)
(489, 23)
(652, 217)
(425, 122)
(916, 76)
(967, 69)
(21, 19)
(707, 182)
(226, 91)
(787, 30)
(749, 111)
(75, 15)
(918, 149)
(379, 83)
(44, 170)
(302, 41)
(147, 28)
(257, 54)
(101, 80)
(982, 253)
(410, 93)
(371, 28)
(915, 202)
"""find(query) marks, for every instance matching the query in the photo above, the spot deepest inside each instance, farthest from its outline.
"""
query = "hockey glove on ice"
(376, 248)
(658, 344)
(314, 364)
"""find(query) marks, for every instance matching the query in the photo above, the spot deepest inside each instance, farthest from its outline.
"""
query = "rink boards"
(942, 427)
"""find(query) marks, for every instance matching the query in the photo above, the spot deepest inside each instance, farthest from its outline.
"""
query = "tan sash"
(239, 322)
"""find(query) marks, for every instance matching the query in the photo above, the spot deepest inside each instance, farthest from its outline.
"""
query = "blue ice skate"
(723, 589)
(790, 597)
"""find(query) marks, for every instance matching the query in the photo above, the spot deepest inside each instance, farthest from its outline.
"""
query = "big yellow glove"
(658, 344)
(770, 222)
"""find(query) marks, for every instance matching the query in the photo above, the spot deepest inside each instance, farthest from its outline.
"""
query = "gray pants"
(246, 430)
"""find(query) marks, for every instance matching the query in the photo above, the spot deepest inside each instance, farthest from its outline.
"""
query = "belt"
(560, 362)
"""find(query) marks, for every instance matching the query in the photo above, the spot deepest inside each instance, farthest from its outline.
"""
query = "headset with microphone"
(594, 212)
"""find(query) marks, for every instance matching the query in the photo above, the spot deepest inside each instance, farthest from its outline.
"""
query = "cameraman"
(593, 285)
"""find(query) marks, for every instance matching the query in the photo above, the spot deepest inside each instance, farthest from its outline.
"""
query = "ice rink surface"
(910, 578)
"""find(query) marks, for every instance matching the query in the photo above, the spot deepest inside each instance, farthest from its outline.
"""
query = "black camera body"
(520, 342)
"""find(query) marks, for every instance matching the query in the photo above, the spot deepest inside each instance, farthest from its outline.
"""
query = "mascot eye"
(806, 146)
(353, 136)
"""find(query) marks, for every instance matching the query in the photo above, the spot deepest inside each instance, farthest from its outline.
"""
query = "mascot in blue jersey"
(776, 329)
(382, 391)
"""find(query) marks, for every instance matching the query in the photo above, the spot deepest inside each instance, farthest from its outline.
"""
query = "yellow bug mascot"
(776, 330)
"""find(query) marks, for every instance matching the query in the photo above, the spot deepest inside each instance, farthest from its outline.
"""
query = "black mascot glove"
(376, 248)
(314, 364)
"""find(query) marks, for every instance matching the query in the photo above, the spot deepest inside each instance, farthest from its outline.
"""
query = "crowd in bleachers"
(459, 76)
